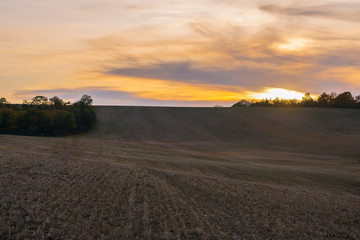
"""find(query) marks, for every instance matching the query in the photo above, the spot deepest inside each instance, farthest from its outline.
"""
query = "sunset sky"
(177, 53)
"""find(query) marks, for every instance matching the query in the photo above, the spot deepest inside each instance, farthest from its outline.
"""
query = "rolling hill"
(252, 127)
(187, 173)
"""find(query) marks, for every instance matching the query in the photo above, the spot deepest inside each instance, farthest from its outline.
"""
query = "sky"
(178, 53)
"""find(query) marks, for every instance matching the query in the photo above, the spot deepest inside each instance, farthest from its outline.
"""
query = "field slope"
(187, 173)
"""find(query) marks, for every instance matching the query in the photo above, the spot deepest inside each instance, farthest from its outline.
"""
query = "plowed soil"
(187, 173)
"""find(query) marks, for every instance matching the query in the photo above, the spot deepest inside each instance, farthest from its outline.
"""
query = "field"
(187, 173)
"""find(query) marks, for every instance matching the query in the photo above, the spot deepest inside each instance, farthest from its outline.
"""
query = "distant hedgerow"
(343, 100)
(47, 117)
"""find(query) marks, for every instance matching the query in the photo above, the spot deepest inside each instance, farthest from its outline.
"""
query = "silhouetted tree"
(39, 100)
(333, 95)
(324, 100)
(357, 100)
(84, 113)
(242, 103)
(262, 103)
(308, 101)
(57, 102)
(292, 102)
(3, 102)
(276, 102)
(85, 100)
(344, 99)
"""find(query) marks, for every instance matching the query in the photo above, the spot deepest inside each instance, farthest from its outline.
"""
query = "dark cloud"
(340, 11)
(338, 61)
(183, 72)
(340, 57)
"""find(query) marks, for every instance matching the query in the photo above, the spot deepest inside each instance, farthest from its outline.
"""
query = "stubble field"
(187, 173)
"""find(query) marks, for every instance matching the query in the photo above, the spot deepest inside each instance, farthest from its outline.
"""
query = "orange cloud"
(170, 90)
(349, 74)
(155, 89)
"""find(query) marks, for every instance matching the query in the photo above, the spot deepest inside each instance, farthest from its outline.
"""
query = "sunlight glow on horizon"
(272, 93)
(167, 90)
(146, 88)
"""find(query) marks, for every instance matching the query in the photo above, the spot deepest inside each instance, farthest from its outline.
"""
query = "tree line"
(343, 100)
(42, 116)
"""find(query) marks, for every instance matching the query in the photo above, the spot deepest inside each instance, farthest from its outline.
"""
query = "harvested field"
(187, 173)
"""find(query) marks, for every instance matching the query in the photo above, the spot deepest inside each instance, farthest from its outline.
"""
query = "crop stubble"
(187, 173)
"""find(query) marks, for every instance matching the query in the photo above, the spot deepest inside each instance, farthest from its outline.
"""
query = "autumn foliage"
(47, 117)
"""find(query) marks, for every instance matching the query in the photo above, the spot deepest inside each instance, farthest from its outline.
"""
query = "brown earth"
(187, 173)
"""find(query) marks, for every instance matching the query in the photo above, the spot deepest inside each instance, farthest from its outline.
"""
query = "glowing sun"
(272, 93)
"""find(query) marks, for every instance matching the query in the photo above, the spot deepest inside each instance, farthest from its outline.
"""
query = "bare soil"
(187, 173)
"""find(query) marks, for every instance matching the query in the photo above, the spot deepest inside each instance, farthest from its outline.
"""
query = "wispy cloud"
(344, 11)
